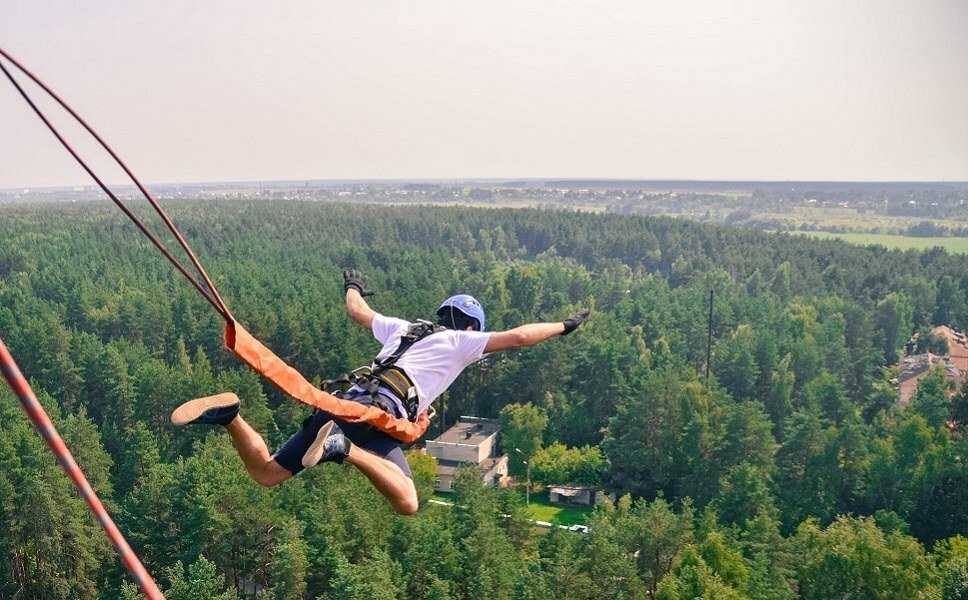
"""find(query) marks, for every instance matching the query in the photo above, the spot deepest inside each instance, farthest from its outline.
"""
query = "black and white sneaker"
(330, 445)
(219, 409)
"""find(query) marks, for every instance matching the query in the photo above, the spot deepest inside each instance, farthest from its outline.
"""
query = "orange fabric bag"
(261, 359)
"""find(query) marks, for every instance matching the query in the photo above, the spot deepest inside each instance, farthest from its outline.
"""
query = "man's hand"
(354, 279)
(572, 322)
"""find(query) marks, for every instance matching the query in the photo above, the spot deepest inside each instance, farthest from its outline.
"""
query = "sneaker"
(330, 445)
(219, 409)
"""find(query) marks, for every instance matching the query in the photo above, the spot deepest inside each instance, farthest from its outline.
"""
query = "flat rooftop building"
(916, 367)
(957, 345)
(470, 441)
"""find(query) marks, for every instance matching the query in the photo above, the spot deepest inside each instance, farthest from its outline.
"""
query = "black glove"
(572, 322)
(354, 279)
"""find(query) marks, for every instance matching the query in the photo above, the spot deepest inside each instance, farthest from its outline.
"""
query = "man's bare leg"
(222, 409)
(387, 478)
(255, 455)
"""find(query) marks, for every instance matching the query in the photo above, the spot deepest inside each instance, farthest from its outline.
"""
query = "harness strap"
(397, 381)
(385, 373)
(417, 331)
(393, 379)
(253, 353)
(366, 397)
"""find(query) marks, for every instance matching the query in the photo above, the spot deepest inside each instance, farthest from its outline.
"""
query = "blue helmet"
(466, 304)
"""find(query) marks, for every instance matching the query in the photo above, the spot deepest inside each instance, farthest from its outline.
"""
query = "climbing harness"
(239, 341)
(385, 373)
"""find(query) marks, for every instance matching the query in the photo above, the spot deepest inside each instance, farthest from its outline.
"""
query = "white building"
(576, 495)
(471, 441)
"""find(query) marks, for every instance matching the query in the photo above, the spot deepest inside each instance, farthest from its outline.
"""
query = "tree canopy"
(791, 472)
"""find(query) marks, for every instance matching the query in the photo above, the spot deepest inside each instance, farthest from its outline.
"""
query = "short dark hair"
(453, 318)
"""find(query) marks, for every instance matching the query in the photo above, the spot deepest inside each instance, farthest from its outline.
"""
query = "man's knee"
(408, 504)
(407, 507)
(265, 480)
(271, 474)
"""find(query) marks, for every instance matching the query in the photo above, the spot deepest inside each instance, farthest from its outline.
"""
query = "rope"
(239, 341)
(37, 414)
(211, 294)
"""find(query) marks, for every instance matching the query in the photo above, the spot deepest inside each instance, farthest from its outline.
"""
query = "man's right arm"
(532, 333)
(356, 306)
(358, 309)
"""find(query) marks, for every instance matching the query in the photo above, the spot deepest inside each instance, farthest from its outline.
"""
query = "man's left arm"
(533, 333)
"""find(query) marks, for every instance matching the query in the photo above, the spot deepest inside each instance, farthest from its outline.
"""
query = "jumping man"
(417, 363)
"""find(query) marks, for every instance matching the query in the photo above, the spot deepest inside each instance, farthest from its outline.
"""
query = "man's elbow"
(508, 340)
(355, 311)
(522, 339)
(361, 316)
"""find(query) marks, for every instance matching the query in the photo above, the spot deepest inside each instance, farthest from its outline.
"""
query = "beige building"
(957, 345)
(471, 441)
(915, 368)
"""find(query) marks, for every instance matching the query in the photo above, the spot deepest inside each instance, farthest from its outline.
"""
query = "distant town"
(920, 209)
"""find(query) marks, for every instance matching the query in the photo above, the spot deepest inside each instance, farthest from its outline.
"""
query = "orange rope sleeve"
(263, 361)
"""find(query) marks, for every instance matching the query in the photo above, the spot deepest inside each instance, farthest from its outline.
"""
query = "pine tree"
(931, 400)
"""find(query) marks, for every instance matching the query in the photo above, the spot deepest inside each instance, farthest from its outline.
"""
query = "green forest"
(791, 472)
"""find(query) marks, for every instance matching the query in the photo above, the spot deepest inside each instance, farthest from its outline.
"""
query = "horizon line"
(493, 180)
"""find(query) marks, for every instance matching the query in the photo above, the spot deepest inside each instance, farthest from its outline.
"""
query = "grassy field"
(954, 245)
(557, 515)
(845, 218)
(542, 510)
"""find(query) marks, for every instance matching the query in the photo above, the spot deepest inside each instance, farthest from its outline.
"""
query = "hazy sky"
(245, 90)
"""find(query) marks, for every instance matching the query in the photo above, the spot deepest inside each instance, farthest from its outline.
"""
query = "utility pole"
(443, 414)
(527, 490)
(709, 336)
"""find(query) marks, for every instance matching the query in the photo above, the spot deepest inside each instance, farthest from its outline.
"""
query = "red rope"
(211, 295)
(37, 414)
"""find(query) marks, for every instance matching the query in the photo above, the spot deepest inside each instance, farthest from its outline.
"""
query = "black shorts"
(362, 435)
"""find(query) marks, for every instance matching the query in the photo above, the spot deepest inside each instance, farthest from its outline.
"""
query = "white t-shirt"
(434, 362)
